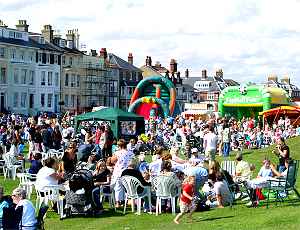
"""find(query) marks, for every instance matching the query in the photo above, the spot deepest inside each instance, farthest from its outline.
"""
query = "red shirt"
(97, 136)
(189, 189)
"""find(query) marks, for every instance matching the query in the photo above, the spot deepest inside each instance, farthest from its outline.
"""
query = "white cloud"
(249, 39)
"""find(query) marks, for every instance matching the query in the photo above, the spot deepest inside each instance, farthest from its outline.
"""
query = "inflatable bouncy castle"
(154, 96)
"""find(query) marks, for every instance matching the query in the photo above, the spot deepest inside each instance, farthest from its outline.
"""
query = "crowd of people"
(183, 152)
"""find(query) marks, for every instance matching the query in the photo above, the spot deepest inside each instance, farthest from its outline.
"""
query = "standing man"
(210, 144)
(226, 136)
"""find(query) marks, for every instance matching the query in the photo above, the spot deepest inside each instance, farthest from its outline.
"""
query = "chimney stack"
(148, 61)
(286, 80)
(2, 24)
(273, 77)
(219, 73)
(47, 33)
(204, 73)
(130, 58)
(187, 73)
(22, 26)
(70, 38)
(173, 66)
(103, 53)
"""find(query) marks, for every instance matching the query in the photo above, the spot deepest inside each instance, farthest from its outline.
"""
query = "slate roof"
(30, 43)
(122, 64)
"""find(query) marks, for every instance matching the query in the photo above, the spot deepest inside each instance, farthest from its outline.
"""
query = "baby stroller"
(79, 197)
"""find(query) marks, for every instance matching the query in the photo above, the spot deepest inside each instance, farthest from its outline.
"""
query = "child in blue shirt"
(265, 170)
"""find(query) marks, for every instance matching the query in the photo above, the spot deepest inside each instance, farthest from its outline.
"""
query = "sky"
(248, 39)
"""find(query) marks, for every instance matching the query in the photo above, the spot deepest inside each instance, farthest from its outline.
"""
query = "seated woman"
(132, 171)
(47, 175)
(69, 160)
(101, 175)
(262, 182)
(36, 163)
(222, 195)
(166, 175)
(25, 208)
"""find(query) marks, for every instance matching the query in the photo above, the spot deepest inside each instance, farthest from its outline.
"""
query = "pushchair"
(79, 197)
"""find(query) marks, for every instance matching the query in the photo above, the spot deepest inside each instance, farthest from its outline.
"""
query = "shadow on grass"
(216, 218)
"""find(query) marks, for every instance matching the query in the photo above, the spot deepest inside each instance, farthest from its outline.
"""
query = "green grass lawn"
(283, 216)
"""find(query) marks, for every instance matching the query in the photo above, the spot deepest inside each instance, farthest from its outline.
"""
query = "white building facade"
(30, 73)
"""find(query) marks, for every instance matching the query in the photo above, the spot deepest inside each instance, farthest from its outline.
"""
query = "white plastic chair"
(58, 154)
(131, 185)
(166, 188)
(229, 166)
(51, 194)
(10, 169)
(26, 182)
(110, 196)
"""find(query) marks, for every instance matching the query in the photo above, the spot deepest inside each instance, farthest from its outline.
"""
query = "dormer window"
(42, 40)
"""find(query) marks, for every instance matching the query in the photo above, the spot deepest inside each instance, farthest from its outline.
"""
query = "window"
(55, 59)
(16, 76)
(23, 100)
(78, 81)
(47, 58)
(71, 61)
(13, 53)
(122, 90)
(43, 78)
(50, 96)
(63, 60)
(42, 100)
(67, 80)
(16, 99)
(56, 79)
(210, 96)
(49, 78)
(131, 76)
(40, 57)
(2, 52)
(66, 100)
(18, 35)
(22, 55)
(23, 76)
(31, 77)
(3, 75)
(11, 34)
(30, 57)
(78, 100)
(134, 76)
(73, 80)
(72, 100)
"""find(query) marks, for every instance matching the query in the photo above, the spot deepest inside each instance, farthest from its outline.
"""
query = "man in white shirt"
(210, 144)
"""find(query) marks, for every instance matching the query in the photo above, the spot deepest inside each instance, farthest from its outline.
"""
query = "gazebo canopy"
(115, 116)
(281, 110)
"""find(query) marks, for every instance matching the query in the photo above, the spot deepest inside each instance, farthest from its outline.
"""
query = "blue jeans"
(281, 168)
(96, 198)
(99, 151)
(226, 149)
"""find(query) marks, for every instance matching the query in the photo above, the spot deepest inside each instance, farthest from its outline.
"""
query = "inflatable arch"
(155, 91)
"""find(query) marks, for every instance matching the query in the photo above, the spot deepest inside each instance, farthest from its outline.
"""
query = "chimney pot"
(173, 66)
(186, 73)
(204, 73)
(130, 58)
